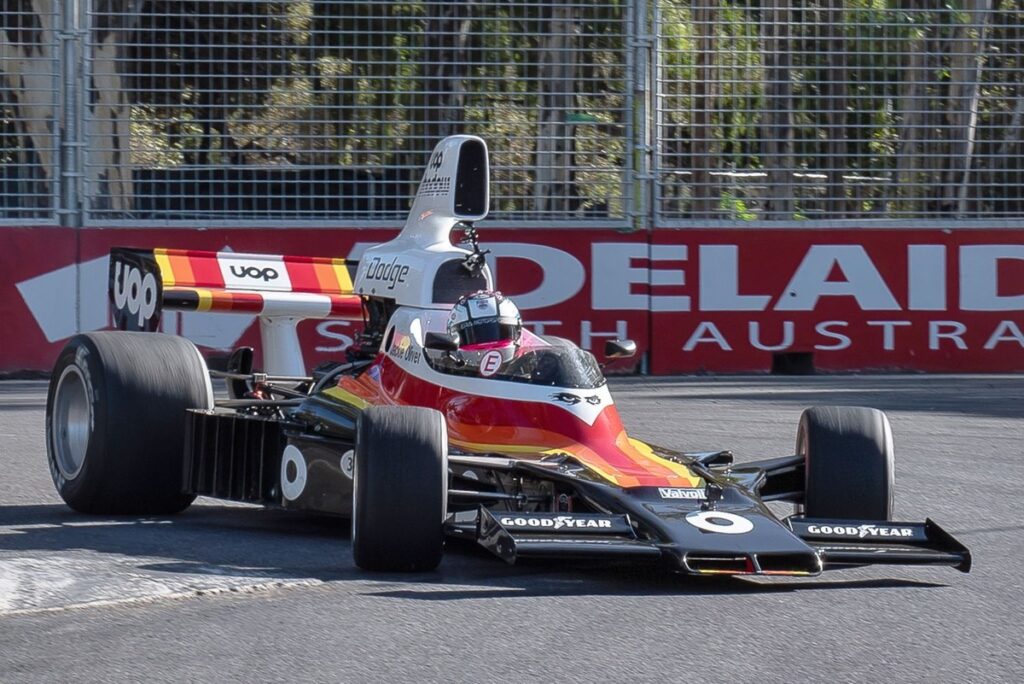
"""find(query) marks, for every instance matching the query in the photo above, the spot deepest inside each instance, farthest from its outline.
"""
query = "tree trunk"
(442, 108)
(554, 181)
(28, 61)
(1012, 136)
(778, 121)
(704, 148)
(108, 165)
(965, 63)
(834, 106)
(914, 100)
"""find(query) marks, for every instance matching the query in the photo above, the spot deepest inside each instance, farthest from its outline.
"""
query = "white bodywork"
(406, 332)
(404, 269)
(454, 188)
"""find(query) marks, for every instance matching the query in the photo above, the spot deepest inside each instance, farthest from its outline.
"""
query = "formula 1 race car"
(421, 434)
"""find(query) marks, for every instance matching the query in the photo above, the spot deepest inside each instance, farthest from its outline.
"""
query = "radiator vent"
(711, 564)
(789, 563)
(233, 456)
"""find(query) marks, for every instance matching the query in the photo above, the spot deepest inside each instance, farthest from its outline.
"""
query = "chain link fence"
(786, 111)
(29, 96)
(630, 113)
(329, 110)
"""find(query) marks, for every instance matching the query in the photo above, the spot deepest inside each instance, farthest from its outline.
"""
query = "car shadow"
(539, 581)
(276, 545)
(206, 539)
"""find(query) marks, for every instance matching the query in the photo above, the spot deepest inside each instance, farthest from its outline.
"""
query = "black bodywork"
(553, 506)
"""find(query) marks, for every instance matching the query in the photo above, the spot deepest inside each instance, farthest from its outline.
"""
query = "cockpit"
(546, 361)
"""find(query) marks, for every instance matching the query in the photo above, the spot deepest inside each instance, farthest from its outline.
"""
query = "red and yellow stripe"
(196, 269)
(349, 307)
(511, 428)
(315, 274)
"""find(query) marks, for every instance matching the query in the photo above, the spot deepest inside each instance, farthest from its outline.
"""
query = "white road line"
(176, 596)
(21, 529)
(113, 523)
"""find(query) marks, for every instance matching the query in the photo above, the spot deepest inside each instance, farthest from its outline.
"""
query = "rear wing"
(421, 267)
(143, 283)
(280, 290)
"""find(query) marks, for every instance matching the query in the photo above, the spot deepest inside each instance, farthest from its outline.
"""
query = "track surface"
(231, 593)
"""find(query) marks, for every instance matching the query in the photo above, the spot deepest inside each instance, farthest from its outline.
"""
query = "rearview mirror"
(619, 349)
(439, 341)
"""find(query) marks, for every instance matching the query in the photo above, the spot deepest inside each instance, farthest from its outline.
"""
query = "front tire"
(115, 421)
(400, 492)
(849, 462)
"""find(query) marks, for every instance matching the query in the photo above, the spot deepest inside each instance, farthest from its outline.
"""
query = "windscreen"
(555, 367)
(548, 365)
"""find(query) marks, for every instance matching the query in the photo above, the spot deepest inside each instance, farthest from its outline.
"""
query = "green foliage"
(814, 109)
(734, 208)
(374, 85)
(870, 88)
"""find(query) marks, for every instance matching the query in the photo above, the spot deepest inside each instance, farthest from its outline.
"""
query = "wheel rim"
(72, 418)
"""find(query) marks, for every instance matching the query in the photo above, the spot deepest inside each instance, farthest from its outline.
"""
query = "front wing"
(730, 532)
(813, 545)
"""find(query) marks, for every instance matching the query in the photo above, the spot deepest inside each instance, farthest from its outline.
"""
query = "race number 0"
(721, 522)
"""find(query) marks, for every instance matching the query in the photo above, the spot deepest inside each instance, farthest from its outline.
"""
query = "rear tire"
(400, 492)
(115, 421)
(848, 456)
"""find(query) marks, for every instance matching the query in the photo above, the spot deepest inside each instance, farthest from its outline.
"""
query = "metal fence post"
(69, 207)
(654, 116)
(640, 49)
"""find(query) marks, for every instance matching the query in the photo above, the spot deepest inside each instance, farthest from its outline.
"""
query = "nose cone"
(734, 540)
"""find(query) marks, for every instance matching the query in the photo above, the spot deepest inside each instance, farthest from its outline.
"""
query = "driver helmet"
(485, 320)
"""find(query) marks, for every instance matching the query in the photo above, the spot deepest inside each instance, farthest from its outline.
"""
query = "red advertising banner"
(54, 284)
(26, 253)
(730, 300)
(924, 300)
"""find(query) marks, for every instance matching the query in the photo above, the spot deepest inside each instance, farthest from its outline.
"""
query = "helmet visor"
(485, 332)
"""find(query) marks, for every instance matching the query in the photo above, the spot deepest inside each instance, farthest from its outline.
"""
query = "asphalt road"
(232, 593)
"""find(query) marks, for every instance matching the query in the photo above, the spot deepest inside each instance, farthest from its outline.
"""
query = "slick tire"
(848, 458)
(115, 421)
(400, 492)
